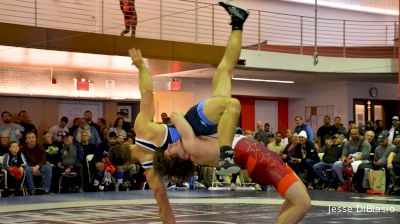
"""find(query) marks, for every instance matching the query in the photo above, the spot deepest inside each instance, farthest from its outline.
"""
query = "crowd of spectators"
(78, 151)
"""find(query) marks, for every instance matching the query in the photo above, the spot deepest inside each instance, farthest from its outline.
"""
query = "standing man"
(130, 16)
(338, 127)
(261, 135)
(59, 129)
(325, 129)
(88, 117)
(395, 129)
(301, 126)
(15, 130)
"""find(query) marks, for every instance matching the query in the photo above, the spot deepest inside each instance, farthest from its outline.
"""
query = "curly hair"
(173, 166)
(119, 154)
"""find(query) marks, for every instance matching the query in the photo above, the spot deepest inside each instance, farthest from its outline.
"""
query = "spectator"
(13, 129)
(383, 150)
(354, 152)
(261, 135)
(75, 125)
(94, 137)
(25, 122)
(286, 140)
(301, 126)
(370, 137)
(130, 17)
(277, 145)
(101, 121)
(325, 129)
(53, 157)
(71, 159)
(87, 148)
(395, 129)
(36, 158)
(88, 117)
(379, 128)
(304, 158)
(4, 140)
(59, 129)
(288, 152)
(14, 159)
(332, 153)
(117, 128)
(338, 127)
(126, 126)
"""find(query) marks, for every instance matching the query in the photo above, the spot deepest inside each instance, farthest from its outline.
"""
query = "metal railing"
(204, 23)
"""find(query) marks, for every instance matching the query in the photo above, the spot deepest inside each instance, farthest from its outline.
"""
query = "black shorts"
(199, 122)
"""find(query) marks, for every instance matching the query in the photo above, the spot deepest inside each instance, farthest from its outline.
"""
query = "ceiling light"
(263, 80)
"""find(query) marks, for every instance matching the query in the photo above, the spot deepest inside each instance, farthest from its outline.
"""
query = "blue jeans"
(338, 171)
(46, 171)
(319, 170)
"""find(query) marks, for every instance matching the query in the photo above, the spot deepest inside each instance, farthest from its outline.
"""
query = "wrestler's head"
(172, 165)
(120, 154)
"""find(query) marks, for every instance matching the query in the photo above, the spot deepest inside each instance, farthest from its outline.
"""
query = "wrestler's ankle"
(226, 151)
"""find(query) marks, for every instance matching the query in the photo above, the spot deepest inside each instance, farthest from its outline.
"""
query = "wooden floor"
(193, 206)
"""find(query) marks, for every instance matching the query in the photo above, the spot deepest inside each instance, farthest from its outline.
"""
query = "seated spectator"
(126, 126)
(393, 165)
(128, 140)
(70, 159)
(332, 153)
(87, 148)
(117, 128)
(355, 151)
(104, 169)
(304, 158)
(277, 145)
(14, 164)
(261, 135)
(286, 140)
(53, 157)
(290, 147)
(4, 139)
(370, 137)
(382, 151)
(57, 130)
(37, 166)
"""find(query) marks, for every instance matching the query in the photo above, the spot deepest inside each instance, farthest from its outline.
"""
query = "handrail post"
(259, 30)
(35, 12)
(161, 19)
(196, 22)
(102, 16)
(213, 24)
(395, 39)
(344, 38)
(301, 35)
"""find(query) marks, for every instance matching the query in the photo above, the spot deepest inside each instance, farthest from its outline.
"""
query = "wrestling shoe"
(237, 13)
(227, 166)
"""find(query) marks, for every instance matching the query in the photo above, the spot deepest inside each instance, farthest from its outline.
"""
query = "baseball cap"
(395, 118)
(66, 134)
(382, 137)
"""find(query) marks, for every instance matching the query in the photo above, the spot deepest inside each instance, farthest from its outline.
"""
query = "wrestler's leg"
(127, 26)
(222, 108)
(296, 205)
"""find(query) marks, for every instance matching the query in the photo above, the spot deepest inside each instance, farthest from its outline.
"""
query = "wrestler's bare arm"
(156, 184)
(203, 150)
(147, 109)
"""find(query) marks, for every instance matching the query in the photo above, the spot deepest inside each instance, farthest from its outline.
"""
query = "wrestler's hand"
(136, 57)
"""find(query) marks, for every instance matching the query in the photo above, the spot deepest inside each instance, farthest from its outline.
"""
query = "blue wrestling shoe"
(237, 13)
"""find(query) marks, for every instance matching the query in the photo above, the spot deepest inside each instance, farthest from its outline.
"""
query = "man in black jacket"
(305, 156)
(332, 153)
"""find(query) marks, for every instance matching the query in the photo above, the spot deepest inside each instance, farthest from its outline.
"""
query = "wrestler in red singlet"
(264, 166)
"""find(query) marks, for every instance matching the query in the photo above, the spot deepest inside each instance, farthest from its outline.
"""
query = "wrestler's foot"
(237, 13)
(125, 31)
(227, 166)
